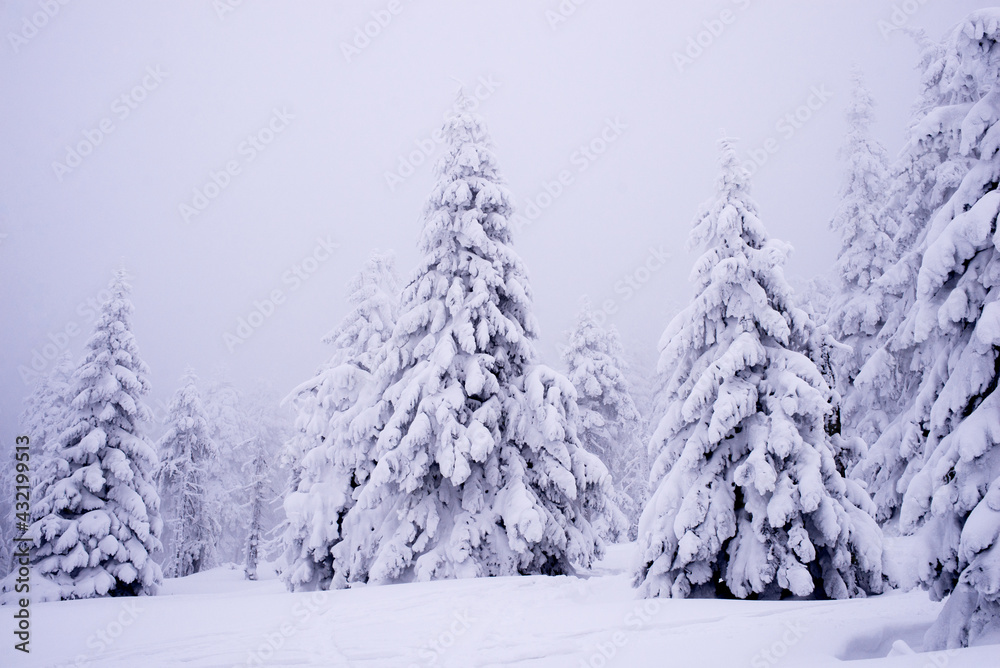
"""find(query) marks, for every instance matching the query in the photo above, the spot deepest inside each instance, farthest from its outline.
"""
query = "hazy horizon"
(310, 145)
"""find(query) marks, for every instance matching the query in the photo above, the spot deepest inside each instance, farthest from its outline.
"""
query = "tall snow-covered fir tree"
(479, 470)
(98, 523)
(927, 170)
(926, 176)
(866, 237)
(867, 249)
(329, 460)
(938, 461)
(188, 465)
(610, 424)
(747, 498)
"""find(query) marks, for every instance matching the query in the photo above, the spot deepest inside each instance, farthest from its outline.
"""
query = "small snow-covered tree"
(47, 412)
(98, 523)
(47, 408)
(261, 491)
(610, 425)
(640, 372)
(230, 425)
(479, 471)
(747, 498)
(8, 517)
(938, 461)
(258, 471)
(825, 351)
(329, 461)
(188, 461)
(249, 429)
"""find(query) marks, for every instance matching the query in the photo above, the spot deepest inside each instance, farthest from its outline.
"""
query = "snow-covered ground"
(218, 619)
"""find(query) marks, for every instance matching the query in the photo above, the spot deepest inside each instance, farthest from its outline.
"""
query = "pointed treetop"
(588, 331)
(373, 299)
(731, 215)
(860, 110)
(734, 177)
(189, 377)
(120, 284)
(469, 190)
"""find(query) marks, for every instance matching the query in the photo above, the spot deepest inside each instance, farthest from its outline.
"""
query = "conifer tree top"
(861, 108)
(373, 294)
(739, 277)
(112, 352)
(732, 217)
(469, 190)
(470, 276)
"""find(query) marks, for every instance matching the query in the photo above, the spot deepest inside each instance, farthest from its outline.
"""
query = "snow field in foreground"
(219, 619)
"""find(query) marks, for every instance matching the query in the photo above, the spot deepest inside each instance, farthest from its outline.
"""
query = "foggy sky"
(297, 120)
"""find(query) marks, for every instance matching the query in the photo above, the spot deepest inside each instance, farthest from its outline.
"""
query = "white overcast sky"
(343, 124)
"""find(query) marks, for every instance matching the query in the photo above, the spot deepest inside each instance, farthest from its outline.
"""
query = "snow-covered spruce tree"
(230, 425)
(263, 486)
(8, 520)
(188, 462)
(99, 521)
(867, 249)
(329, 461)
(48, 406)
(46, 413)
(824, 351)
(944, 446)
(640, 372)
(927, 170)
(866, 236)
(246, 427)
(747, 499)
(610, 425)
(261, 493)
(479, 471)
(927, 174)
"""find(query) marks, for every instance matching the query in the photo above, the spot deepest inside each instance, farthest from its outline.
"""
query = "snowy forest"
(827, 439)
